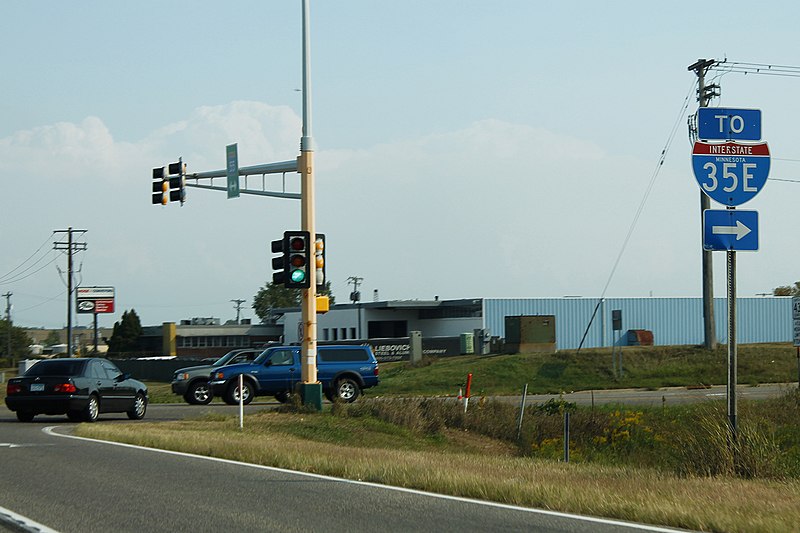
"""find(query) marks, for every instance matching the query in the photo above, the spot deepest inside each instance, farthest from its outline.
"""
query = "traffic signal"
(169, 183)
(177, 181)
(295, 260)
(319, 258)
(160, 186)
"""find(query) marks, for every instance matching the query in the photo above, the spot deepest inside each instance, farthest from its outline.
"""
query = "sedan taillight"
(65, 387)
(13, 388)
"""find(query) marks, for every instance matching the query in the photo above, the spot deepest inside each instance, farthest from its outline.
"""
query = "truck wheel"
(232, 396)
(347, 390)
(329, 394)
(199, 393)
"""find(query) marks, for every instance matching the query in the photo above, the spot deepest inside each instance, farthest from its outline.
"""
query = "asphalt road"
(76, 485)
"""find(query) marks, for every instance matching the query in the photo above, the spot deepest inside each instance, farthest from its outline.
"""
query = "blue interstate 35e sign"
(730, 173)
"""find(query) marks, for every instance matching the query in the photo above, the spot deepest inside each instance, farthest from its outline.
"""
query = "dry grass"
(470, 465)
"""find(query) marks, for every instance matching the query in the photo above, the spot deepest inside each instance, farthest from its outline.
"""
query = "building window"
(335, 334)
(352, 333)
(344, 333)
(325, 334)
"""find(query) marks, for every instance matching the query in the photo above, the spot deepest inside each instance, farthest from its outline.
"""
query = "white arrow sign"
(740, 230)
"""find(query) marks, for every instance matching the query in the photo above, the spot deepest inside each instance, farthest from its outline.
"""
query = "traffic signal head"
(319, 259)
(160, 186)
(169, 183)
(299, 261)
(292, 266)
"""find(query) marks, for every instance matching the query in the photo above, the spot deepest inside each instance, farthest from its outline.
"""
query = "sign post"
(731, 173)
(796, 330)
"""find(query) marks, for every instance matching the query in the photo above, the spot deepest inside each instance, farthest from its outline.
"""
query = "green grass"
(671, 466)
(645, 367)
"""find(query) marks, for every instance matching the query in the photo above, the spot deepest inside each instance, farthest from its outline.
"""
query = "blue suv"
(344, 371)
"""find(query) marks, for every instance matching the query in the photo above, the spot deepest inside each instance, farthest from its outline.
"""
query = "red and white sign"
(94, 299)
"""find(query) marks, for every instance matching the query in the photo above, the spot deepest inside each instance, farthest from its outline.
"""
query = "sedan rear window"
(56, 368)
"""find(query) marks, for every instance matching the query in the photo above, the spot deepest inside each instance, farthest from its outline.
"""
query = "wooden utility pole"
(709, 331)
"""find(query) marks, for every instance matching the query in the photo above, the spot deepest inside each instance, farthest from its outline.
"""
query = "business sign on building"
(94, 299)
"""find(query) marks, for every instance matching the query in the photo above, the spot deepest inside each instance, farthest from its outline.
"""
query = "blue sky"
(464, 149)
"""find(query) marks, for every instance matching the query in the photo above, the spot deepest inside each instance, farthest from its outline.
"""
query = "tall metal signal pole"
(311, 388)
(709, 332)
(71, 247)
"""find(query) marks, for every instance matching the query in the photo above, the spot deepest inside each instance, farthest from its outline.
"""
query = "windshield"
(56, 368)
(224, 359)
(262, 356)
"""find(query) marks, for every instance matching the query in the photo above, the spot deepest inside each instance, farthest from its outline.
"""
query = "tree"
(272, 296)
(126, 333)
(787, 290)
(19, 342)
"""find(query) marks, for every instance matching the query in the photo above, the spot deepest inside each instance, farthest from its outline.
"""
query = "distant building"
(205, 337)
(672, 321)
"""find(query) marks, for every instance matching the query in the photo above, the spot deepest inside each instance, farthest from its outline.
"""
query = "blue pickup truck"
(344, 371)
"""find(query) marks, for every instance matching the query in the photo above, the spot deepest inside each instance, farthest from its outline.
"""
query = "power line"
(10, 272)
(764, 69)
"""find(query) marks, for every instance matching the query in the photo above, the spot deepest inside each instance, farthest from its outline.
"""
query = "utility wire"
(678, 121)
(10, 272)
(16, 279)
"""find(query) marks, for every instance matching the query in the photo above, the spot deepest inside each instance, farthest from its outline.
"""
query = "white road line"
(18, 522)
(50, 430)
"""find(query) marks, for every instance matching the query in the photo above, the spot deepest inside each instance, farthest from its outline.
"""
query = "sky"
(463, 149)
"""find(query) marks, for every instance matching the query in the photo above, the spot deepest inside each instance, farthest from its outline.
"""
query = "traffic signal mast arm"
(280, 167)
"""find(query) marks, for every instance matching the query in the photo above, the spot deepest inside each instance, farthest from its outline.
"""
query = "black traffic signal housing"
(160, 186)
(169, 183)
(292, 266)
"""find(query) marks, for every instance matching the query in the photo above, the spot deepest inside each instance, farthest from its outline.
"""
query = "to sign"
(730, 173)
(723, 124)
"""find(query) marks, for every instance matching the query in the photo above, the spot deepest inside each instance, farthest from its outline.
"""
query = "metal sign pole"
(732, 363)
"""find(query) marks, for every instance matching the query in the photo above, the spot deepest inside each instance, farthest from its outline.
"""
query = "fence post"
(241, 401)
(521, 411)
(566, 436)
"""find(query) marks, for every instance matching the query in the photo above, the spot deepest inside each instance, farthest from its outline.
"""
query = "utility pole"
(238, 306)
(355, 297)
(704, 94)
(71, 247)
(7, 296)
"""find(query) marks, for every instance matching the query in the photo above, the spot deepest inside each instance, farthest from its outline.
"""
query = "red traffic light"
(297, 244)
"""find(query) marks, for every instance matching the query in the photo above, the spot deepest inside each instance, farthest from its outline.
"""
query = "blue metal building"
(672, 320)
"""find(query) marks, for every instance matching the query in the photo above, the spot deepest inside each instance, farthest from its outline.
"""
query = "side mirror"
(122, 377)
(268, 362)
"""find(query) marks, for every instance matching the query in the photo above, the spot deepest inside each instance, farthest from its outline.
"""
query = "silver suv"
(192, 382)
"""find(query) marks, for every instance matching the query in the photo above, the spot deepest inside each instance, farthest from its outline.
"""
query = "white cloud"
(493, 209)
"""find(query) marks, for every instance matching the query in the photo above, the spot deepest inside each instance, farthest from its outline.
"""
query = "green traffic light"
(298, 276)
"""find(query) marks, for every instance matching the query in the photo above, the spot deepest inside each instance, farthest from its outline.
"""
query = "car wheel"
(199, 393)
(347, 390)
(139, 407)
(283, 396)
(75, 416)
(25, 416)
(232, 397)
(92, 409)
